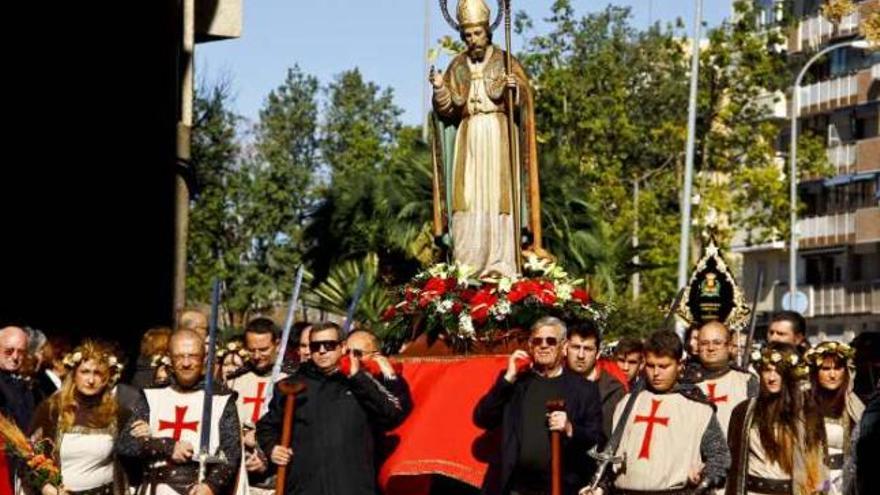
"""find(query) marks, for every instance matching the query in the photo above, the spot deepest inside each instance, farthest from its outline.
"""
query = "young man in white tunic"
(174, 413)
(672, 442)
(251, 384)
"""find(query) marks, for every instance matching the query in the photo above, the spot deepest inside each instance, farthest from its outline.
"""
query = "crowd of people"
(669, 416)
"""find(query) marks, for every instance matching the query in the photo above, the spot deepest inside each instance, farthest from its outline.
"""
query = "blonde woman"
(82, 421)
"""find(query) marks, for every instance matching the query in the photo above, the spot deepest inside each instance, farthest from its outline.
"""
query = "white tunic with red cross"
(178, 415)
(251, 389)
(726, 392)
(661, 440)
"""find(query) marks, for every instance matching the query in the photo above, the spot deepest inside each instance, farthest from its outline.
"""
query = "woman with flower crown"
(82, 421)
(777, 439)
(832, 388)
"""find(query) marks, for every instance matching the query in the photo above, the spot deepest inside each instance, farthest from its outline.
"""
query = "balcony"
(814, 31)
(851, 298)
(773, 105)
(833, 93)
(827, 230)
(843, 158)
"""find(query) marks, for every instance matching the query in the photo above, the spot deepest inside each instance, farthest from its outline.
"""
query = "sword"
(205, 456)
(744, 355)
(355, 299)
(672, 309)
(279, 359)
(607, 457)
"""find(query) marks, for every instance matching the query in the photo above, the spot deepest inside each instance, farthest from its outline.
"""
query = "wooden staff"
(290, 391)
(515, 177)
(555, 450)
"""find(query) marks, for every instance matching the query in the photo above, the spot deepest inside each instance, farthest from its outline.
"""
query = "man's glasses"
(12, 351)
(327, 345)
(712, 343)
(539, 341)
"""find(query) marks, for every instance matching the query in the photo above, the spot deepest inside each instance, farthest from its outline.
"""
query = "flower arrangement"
(816, 355)
(36, 455)
(784, 361)
(448, 299)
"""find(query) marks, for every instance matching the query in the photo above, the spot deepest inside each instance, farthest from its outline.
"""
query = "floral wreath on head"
(816, 355)
(233, 347)
(89, 350)
(786, 361)
(160, 359)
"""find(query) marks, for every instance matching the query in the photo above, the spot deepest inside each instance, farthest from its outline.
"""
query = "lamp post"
(795, 113)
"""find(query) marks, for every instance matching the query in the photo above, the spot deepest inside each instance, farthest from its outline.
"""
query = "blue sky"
(384, 38)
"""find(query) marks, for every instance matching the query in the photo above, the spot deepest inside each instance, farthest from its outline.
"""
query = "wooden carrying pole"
(290, 391)
(555, 450)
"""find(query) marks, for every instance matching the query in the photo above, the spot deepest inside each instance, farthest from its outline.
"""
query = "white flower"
(775, 357)
(439, 270)
(536, 264)
(556, 272)
(501, 309)
(505, 284)
(77, 357)
(444, 306)
(463, 273)
(111, 360)
(756, 355)
(793, 359)
(563, 292)
(466, 326)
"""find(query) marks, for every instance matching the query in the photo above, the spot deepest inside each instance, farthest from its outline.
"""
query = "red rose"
(520, 290)
(389, 313)
(434, 288)
(546, 294)
(456, 308)
(467, 295)
(581, 296)
(480, 305)
(409, 294)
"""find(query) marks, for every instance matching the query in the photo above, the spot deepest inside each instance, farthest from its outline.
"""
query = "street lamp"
(795, 113)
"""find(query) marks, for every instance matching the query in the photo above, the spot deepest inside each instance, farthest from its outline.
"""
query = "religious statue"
(485, 149)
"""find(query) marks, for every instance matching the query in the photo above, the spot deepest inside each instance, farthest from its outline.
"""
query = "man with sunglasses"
(518, 403)
(332, 450)
(16, 395)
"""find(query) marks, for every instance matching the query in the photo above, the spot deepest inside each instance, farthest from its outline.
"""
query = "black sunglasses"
(328, 345)
(538, 341)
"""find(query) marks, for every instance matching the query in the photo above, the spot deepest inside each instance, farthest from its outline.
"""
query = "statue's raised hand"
(435, 77)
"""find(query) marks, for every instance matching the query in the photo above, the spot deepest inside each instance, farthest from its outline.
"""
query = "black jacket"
(17, 399)
(502, 406)
(334, 424)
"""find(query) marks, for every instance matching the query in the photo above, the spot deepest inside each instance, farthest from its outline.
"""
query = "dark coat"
(503, 405)
(334, 424)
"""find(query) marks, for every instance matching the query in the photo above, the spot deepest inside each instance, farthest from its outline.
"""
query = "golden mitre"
(472, 13)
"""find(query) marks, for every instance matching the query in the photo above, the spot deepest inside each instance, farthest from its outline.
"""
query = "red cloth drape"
(5, 489)
(440, 436)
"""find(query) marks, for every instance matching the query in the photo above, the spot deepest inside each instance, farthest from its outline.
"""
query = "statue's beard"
(477, 53)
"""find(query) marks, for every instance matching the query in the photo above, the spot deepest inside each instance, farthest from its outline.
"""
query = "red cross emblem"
(712, 397)
(257, 400)
(178, 425)
(645, 453)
